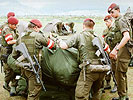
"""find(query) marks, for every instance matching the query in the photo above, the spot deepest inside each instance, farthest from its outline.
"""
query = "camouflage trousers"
(92, 83)
(34, 88)
(9, 75)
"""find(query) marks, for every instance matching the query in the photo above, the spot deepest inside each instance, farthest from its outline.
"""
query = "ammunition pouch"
(5, 52)
(99, 68)
(94, 66)
(88, 62)
(113, 38)
(4, 58)
(12, 64)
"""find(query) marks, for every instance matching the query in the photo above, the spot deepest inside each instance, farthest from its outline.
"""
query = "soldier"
(21, 27)
(10, 14)
(71, 25)
(108, 21)
(107, 35)
(68, 28)
(9, 37)
(83, 42)
(34, 41)
(120, 51)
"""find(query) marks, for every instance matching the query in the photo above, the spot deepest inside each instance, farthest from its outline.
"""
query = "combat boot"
(22, 93)
(13, 91)
(114, 89)
(121, 98)
(115, 98)
(131, 63)
(108, 86)
(6, 86)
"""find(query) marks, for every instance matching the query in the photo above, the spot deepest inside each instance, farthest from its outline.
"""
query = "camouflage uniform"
(83, 42)
(123, 58)
(34, 42)
(1, 28)
(6, 51)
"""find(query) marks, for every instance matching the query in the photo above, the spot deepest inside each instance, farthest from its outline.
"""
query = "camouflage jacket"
(83, 42)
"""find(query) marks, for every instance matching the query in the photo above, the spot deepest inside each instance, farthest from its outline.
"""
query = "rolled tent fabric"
(60, 66)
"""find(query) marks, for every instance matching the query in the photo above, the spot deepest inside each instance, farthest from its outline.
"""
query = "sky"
(61, 7)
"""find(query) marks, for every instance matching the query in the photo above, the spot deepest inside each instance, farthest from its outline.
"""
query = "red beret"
(107, 17)
(111, 7)
(10, 14)
(36, 22)
(88, 19)
(12, 20)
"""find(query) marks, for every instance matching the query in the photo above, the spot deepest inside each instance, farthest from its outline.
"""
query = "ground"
(4, 95)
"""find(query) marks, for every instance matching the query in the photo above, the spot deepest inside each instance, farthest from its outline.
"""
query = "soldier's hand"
(63, 45)
(26, 65)
(113, 54)
(21, 64)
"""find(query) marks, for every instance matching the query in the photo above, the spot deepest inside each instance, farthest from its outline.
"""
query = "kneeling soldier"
(34, 41)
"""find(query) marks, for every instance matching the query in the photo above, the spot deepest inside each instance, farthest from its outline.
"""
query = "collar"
(89, 30)
(118, 17)
(29, 31)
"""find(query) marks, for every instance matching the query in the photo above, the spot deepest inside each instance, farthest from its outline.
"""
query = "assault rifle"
(1, 62)
(1, 65)
(22, 48)
(105, 60)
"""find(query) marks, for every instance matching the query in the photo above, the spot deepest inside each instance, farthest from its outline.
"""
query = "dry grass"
(108, 96)
(4, 95)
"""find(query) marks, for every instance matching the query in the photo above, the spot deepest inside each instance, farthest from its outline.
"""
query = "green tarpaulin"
(60, 73)
(61, 65)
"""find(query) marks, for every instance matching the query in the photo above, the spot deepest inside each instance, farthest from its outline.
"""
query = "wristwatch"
(116, 49)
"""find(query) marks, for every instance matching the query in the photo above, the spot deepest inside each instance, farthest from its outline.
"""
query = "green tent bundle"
(60, 73)
(61, 65)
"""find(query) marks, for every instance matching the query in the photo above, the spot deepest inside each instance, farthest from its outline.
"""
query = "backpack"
(57, 26)
(128, 16)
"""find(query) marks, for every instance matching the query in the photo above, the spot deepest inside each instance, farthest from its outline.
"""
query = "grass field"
(99, 27)
(4, 95)
(78, 20)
